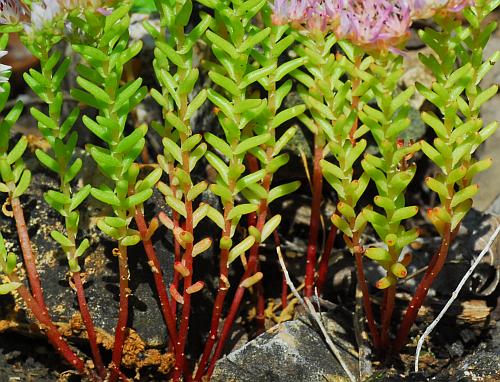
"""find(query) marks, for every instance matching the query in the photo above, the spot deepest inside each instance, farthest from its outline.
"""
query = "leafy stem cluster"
(458, 66)
(350, 97)
(392, 172)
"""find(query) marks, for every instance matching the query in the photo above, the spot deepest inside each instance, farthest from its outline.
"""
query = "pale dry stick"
(308, 306)
(364, 365)
(454, 295)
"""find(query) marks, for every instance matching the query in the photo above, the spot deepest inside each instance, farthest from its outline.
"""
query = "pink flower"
(422, 9)
(11, 11)
(376, 24)
(313, 14)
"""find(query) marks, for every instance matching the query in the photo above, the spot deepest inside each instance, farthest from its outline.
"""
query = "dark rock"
(456, 349)
(99, 265)
(483, 365)
(292, 351)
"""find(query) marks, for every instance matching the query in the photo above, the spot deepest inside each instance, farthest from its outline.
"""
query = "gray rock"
(482, 365)
(292, 351)
(488, 181)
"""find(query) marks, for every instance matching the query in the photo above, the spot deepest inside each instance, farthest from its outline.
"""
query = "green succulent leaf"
(23, 184)
(240, 248)
(6, 288)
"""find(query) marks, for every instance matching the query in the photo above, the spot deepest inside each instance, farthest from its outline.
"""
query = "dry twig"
(309, 308)
(454, 295)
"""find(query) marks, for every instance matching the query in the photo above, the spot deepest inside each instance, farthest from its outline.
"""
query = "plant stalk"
(219, 302)
(422, 290)
(314, 223)
(29, 258)
(250, 270)
(46, 323)
(367, 305)
(389, 297)
(89, 325)
(161, 287)
(121, 326)
(323, 264)
(180, 360)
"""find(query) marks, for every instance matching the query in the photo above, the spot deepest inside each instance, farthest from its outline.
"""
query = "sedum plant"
(247, 57)
(106, 52)
(16, 179)
(458, 66)
(392, 172)
(183, 149)
(47, 84)
(346, 67)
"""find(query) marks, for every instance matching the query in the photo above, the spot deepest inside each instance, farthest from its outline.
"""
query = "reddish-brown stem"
(121, 325)
(367, 305)
(89, 325)
(122, 376)
(161, 287)
(177, 246)
(53, 334)
(214, 326)
(250, 270)
(323, 264)
(29, 258)
(228, 324)
(388, 308)
(219, 302)
(314, 223)
(422, 290)
(186, 307)
(180, 358)
(261, 306)
(177, 257)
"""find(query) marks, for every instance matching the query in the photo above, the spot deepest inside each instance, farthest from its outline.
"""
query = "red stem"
(251, 269)
(389, 296)
(219, 302)
(29, 258)
(314, 223)
(121, 325)
(177, 246)
(177, 257)
(89, 325)
(261, 306)
(422, 290)
(53, 334)
(253, 166)
(323, 264)
(366, 299)
(161, 287)
(179, 368)
(228, 323)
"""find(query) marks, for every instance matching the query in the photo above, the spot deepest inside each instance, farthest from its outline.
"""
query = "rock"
(489, 186)
(99, 265)
(482, 365)
(292, 351)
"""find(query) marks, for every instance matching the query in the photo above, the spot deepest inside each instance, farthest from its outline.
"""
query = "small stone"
(456, 349)
(292, 351)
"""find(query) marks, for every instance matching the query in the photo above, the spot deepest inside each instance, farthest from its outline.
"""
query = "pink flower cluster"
(379, 24)
(423, 9)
